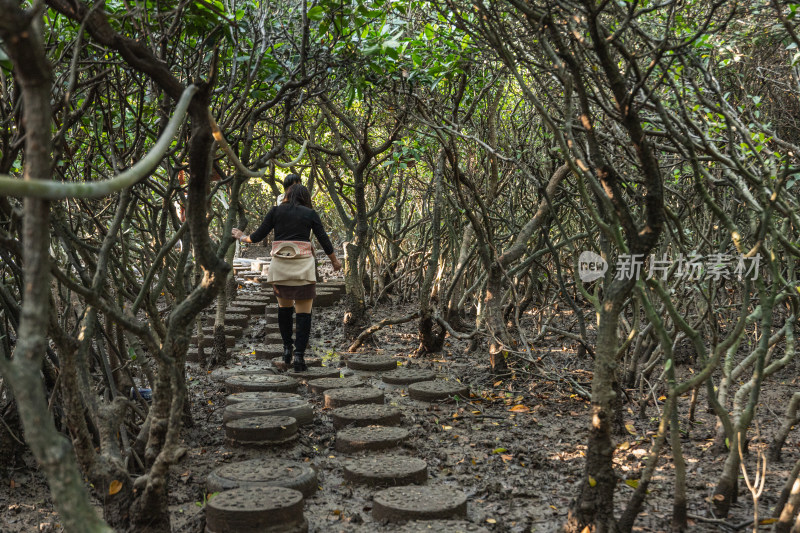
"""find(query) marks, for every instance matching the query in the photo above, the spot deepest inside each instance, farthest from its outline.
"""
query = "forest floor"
(515, 448)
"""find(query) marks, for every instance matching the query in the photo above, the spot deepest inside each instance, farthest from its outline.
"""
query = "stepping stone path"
(262, 430)
(263, 410)
(437, 390)
(278, 363)
(371, 362)
(360, 415)
(407, 376)
(408, 503)
(386, 470)
(318, 386)
(264, 472)
(261, 382)
(372, 438)
(297, 408)
(363, 395)
(256, 510)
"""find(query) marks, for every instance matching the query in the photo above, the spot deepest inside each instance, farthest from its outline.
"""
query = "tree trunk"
(55, 456)
(493, 311)
(430, 342)
(594, 506)
(453, 314)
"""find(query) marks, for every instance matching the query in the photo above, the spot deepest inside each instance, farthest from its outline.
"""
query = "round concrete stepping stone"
(264, 472)
(208, 341)
(278, 363)
(360, 415)
(261, 382)
(233, 331)
(273, 338)
(421, 503)
(363, 395)
(231, 319)
(407, 376)
(256, 510)
(233, 311)
(371, 362)
(272, 329)
(441, 526)
(382, 470)
(257, 296)
(269, 351)
(254, 306)
(371, 438)
(239, 397)
(318, 386)
(223, 373)
(193, 354)
(314, 372)
(431, 391)
(262, 430)
(297, 408)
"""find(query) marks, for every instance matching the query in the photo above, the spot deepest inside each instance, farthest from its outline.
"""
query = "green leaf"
(316, 13)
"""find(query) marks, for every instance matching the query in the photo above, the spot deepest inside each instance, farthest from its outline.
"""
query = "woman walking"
(292, 270)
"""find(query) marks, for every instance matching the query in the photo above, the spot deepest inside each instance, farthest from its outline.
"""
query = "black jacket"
(293, 223)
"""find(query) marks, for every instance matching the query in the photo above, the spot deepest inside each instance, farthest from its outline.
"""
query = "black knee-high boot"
(285, 324)
(303, 332)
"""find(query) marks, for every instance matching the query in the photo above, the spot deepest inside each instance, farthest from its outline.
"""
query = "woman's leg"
(285, 323)
(303, 308)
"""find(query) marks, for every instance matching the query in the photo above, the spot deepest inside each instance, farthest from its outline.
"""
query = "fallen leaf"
(114, 488)
(491, 521)
(519, 408)
(624, 446)
(499, 450)
(631, 429)
(592, 481)
(506, 457)
(633, 483)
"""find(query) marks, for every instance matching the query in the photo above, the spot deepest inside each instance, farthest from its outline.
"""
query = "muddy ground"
(516, 448)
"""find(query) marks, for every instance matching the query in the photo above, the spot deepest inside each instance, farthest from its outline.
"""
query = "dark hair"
(298, 195)
(290, 180)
